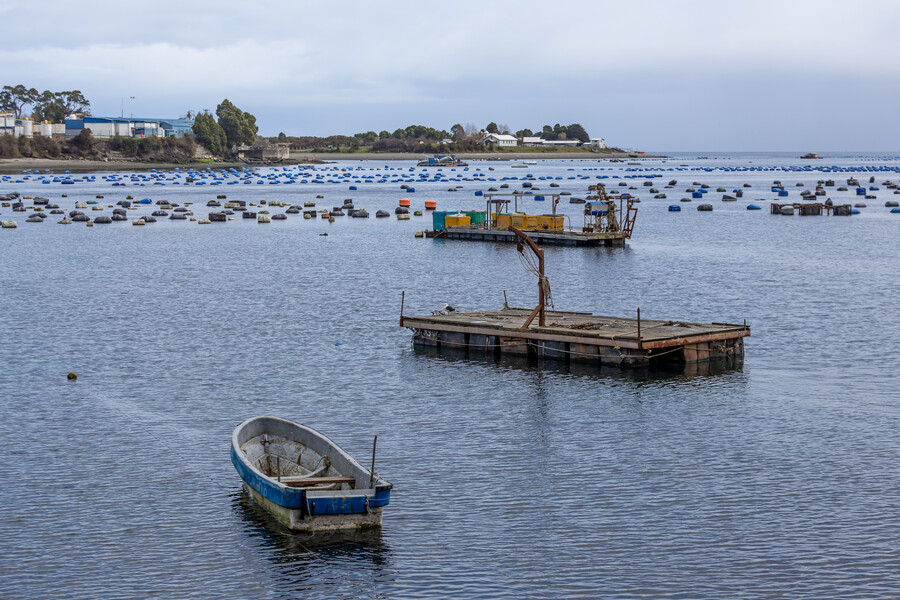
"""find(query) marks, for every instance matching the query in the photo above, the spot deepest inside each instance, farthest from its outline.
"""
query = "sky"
(651, 75)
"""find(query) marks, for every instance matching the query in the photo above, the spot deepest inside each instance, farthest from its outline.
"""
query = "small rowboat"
(304, 479)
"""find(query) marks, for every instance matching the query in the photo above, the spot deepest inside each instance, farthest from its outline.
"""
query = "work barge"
(608, 221)
(580, 337)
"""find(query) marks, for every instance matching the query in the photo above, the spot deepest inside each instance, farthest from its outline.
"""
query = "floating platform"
(580, 337)
(566, 237)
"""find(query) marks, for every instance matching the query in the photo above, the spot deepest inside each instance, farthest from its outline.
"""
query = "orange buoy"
(404, 202)
(431, 204)
(326, 215)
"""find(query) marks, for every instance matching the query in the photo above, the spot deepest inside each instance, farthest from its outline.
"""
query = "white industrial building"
(26, 127)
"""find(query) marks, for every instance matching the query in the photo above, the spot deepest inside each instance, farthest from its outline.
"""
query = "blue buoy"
(752, 207)
(895, 210)
(674, 208)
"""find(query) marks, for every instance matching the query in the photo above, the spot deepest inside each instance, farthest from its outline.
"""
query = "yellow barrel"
(531, 222)
(458, 220)
(518, 221)
(501, 221)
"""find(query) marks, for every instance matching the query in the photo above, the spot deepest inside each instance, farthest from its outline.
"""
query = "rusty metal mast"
(542, 279)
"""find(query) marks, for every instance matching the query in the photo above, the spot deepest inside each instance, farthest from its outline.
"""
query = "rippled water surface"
(511, 480)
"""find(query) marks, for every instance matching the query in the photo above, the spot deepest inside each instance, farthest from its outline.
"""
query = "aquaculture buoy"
(787, 209)
(674, 208)
(71, 376)
(404, 202)
(430, 204)
(753, 207)
(420, 234)
(705, 207)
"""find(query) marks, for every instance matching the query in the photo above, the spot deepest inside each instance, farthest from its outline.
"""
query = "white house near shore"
(561, 143)
(500, 139)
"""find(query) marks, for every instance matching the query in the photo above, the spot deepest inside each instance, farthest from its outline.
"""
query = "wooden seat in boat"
(308, 481)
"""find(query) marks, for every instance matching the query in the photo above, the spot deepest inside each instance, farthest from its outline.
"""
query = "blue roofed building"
(137, 127)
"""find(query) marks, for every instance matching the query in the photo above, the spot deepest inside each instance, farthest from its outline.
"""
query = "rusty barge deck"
(580, 337)
(566, 237)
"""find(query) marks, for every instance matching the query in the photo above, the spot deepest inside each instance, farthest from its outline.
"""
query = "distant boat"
(304, 479)
(442, 160)
(529, 162)
(811, 155)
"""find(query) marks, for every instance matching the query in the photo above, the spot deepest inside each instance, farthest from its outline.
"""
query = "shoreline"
(486, 156)
(11, 166)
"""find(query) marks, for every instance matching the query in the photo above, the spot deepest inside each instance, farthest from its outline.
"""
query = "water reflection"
(654, 373)
(304, 559)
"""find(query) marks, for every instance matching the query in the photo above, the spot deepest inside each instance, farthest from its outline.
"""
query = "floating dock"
(566, 237)
(580, 337)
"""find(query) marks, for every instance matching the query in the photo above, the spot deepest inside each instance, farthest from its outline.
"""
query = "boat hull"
(296, 519)
(308, 508)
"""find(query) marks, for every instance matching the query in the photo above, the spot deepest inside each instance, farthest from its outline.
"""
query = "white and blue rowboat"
(304, 479)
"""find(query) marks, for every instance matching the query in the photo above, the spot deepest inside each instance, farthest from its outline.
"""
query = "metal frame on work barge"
(580, 337)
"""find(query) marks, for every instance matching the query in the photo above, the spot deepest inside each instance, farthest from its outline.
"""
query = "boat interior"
(294, 464)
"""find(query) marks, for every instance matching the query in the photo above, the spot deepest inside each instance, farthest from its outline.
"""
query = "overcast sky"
(652, 75)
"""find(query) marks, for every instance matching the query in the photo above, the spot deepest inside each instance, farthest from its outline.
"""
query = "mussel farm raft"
(608, 220)
(580, 337)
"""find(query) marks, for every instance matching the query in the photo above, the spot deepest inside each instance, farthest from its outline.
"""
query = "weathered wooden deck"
(567, 237)
(582, 337)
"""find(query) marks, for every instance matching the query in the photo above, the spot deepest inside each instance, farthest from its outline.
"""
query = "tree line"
(45, 106)
(233, 128)
(420, 138)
